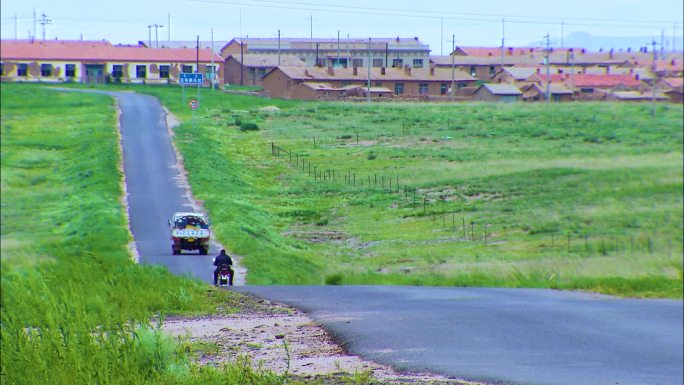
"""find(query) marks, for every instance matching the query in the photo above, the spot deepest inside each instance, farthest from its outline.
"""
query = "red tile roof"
(585, 80)
(97, 51)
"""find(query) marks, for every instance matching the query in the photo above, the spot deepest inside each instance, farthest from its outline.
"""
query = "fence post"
(424, 204)
(453, 221)
(272, 149)
(569, 243)
(650, 245)
(472, 231)
(315, 174)
(354, 180)
(314, 139)
(357, 138)
(464, 228)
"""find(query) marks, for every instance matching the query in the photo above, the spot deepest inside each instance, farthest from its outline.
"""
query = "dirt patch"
(280, 338)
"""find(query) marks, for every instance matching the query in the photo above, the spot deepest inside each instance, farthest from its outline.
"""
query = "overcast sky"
(472, 22)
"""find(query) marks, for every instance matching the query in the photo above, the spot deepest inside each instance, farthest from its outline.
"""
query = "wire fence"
(468, 228)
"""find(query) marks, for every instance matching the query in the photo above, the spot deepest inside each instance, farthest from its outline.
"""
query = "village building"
(101, 62)
(491, 92)
(344, 52)
(591, 87)
(673, 88)
(424, 83)
(250, 69)
(537, 92)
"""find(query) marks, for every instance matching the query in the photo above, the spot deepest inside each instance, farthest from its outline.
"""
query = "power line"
(518, 19)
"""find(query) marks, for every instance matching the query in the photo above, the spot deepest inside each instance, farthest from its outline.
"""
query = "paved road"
(518, 336)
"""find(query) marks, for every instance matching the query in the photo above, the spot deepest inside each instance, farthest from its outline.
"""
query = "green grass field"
(573, 196)
(75, 309)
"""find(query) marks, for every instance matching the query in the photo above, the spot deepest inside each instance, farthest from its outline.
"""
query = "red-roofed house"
(594, 86)
(100, 61)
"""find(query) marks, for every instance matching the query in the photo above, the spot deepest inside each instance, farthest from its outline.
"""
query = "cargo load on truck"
(189, 231)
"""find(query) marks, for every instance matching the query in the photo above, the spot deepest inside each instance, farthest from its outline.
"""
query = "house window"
(423, 89)
(46, 70)
(491, 70)
(261, 72)
(339, 62)
(417, 63)
(211, 72)
(289, 84)
(378, 63)
(320, 62)
(443, 88)
(398, 88)
(473, 72)
(460, 85)
(397, 62)
(587, 90)
(186, 69)
(357, 63)
(22, 69)
(163, 71)
(2, 69)
(378, 84)
(70, 70)
(141, 71)
(117, 71)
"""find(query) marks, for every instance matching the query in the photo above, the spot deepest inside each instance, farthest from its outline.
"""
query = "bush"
(334, 279)
(372, 155)
(249, 126)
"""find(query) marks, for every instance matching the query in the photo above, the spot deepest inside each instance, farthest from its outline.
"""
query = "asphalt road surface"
(502, 336)
(493, 335)
(156, 188)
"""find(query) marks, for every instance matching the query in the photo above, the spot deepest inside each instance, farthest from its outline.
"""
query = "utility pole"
(34, 23)
(655, 79)
(561, 40)
(213, 69)
(169, 28)
(548, 70)
(453, 48)
(279, 48)
(503, 39)
(156, 33)
(369, 70)
(149, 35)
(15, 27)
(44, 21)
(311, 27)
(338, 48)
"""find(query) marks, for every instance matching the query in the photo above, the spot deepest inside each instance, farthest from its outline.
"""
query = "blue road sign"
(191, 79)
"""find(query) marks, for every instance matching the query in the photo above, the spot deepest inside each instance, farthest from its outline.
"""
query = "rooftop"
(98, 51)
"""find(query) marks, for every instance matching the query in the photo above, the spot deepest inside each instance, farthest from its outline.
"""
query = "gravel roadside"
(282, 339)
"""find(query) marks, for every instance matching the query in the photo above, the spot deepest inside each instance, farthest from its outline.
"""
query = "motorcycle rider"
(223, 259)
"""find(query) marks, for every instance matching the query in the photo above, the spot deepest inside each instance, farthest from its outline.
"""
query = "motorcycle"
(225, 275)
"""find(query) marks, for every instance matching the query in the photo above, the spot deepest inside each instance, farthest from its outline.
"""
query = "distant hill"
(595, 43)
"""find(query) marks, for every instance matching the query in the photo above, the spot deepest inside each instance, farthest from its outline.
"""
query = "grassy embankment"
(75, 308)
(581, 196)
